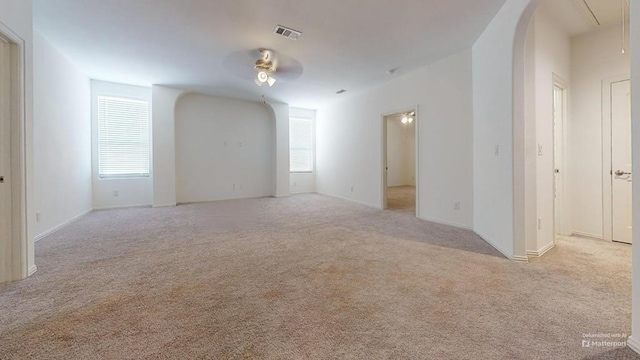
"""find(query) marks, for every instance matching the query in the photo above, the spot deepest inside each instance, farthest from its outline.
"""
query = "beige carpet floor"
(306, 277)
(401, 199)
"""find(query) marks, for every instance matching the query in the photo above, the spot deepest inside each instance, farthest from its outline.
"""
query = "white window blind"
(123, 137)
(301, 145)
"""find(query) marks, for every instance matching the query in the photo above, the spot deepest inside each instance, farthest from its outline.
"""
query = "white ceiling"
(577, 17)
(202, 45)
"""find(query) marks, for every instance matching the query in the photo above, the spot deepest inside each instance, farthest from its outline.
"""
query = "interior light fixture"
(265, 67)
(262, 77)
(407, 118)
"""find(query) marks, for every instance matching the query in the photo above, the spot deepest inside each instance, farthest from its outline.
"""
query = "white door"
(558, 121)
(5, 190)
(621, 201)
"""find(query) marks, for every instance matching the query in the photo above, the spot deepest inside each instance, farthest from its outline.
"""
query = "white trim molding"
(32, 270)
(128, 207)
(542, 251)
(586, 235)
(447, 223)
(371, 206)
(633, 344)
(517, 258)
(61, 226)
(161, 205)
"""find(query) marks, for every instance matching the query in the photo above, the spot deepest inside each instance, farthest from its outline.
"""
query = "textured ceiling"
(576, 17)
(199, 44)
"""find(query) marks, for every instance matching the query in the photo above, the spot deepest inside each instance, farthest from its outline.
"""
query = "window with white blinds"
(123, 137)
(301, 145)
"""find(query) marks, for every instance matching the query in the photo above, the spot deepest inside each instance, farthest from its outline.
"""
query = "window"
(123, 137)
(301, 145)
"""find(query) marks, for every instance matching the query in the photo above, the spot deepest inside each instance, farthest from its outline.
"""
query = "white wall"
(531, 155)
(595, 57)
(281, 159)
(224, 149)
(634, 341)
(401, 158)
(552, 57)
(62, 138)
(300, 183)
(498, 129)
(349, 140)
(16, 15)
(163, 144)
(113, 192)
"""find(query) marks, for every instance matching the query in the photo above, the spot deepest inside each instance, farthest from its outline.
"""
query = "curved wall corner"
(163, 106)
(281, 155)
(496, 148)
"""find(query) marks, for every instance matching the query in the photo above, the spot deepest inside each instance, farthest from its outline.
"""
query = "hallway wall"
(595, 57)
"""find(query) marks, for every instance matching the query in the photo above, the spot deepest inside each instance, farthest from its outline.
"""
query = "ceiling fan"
(243, 64)
(265, 67)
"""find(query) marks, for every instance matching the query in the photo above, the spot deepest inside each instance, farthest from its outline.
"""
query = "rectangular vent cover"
(286, 32)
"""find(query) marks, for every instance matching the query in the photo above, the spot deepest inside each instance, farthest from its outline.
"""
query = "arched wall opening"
(164, 102)
(520, 200)
(224, 149)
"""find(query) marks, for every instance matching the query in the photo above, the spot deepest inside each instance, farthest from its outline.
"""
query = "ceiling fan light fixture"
(271, 81)
(262, 76)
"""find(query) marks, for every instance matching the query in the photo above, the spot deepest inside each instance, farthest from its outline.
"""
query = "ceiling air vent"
(286, 32)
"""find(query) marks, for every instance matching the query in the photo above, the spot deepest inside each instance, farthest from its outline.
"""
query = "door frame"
(607, 185)
(560, 199)
(18, 241)
(383, 155)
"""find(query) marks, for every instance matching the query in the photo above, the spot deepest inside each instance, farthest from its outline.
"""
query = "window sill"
(124, 177)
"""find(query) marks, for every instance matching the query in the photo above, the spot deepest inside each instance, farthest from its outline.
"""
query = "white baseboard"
(353, 201)
(32, 270)
(633, 344)
(164, 205)
(123, 207)
(541, 251)
(445, 222)
(225, 199)
(60, 226)
(587, 235)
(518, 258)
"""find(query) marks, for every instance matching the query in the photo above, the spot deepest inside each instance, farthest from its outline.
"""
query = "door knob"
(621, 173)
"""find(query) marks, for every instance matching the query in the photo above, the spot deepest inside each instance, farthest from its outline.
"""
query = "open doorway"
(577, 126)
(399, 158)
